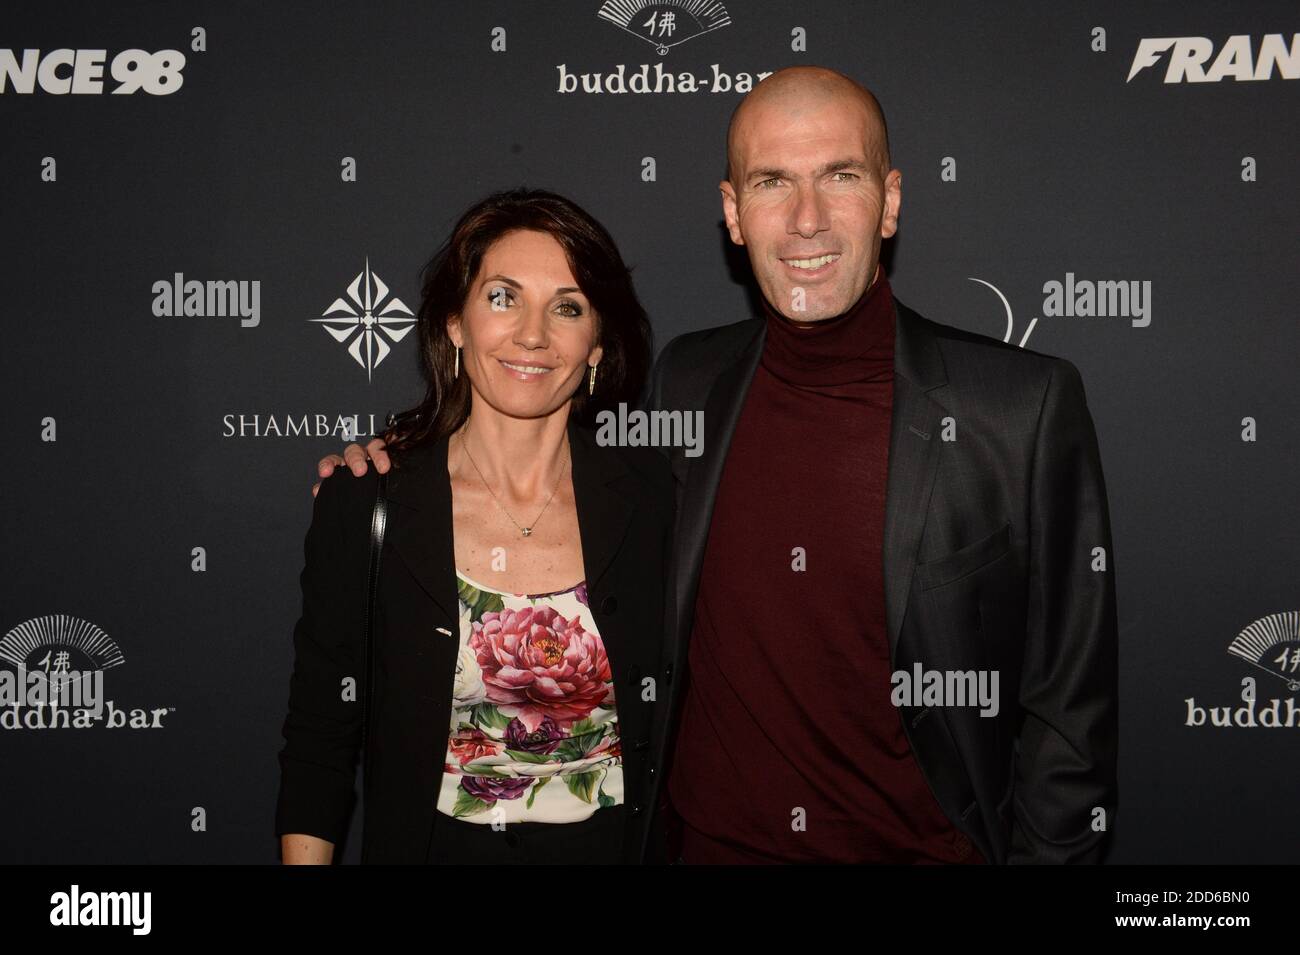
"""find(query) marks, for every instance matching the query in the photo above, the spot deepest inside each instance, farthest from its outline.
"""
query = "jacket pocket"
(963, 562)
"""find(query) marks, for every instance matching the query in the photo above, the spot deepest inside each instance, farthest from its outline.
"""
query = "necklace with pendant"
(523, 531)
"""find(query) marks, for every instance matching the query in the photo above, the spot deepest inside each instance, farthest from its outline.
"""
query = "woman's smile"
(525, 372)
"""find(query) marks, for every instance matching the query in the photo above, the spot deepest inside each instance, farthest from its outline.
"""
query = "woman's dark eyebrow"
(512, 282)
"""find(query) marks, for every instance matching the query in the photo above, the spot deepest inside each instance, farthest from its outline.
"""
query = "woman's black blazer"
(625, 515)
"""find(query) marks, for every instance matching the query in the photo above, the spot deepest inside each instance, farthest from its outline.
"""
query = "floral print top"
(534, 727)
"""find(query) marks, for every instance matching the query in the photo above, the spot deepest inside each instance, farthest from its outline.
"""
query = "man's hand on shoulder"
(354, 456)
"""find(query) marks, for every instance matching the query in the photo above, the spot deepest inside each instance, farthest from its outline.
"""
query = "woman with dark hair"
(520, 600)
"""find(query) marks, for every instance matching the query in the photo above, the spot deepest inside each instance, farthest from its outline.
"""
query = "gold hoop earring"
(591, 380)
(456, 374)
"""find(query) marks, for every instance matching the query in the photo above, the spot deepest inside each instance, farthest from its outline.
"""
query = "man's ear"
(729, 211)
(893, 203)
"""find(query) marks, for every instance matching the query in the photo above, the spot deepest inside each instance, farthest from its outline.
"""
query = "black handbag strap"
(378, 522)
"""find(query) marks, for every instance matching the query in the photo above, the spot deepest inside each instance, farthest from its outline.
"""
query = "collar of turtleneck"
(857, 345)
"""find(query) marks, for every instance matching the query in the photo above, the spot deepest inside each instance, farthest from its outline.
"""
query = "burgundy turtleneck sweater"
(789, 749)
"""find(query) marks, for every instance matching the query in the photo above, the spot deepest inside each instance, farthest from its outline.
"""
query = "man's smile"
(812, 266)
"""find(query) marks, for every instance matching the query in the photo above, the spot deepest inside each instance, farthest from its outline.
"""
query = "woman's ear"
(453, 331)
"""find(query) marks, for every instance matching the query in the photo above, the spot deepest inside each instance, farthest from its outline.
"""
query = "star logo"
(367, 319)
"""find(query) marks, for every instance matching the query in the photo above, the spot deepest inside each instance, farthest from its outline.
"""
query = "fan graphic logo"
(1272, 646)
(367, 320)
(665, 24)
(57, 680)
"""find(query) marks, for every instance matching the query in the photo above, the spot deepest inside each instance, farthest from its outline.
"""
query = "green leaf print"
(470, 769)
(569, 750)
(467, 805)
(478, 601)
(487, 716)
(605, 801)
(468, 594)
(532, 793)
(529, 757)
(582, 785)
(587, 735)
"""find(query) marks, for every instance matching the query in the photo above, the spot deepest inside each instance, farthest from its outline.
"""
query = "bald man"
(892, 608)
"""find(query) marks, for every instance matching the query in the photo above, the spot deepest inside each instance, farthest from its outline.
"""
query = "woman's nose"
(531, 330)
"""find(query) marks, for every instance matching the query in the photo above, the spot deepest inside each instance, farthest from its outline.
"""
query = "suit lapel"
(421, 531)
(914, 449)
(603, 512)
(721, 413)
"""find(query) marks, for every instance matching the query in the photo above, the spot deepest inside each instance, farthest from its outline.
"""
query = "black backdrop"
(154, 534)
